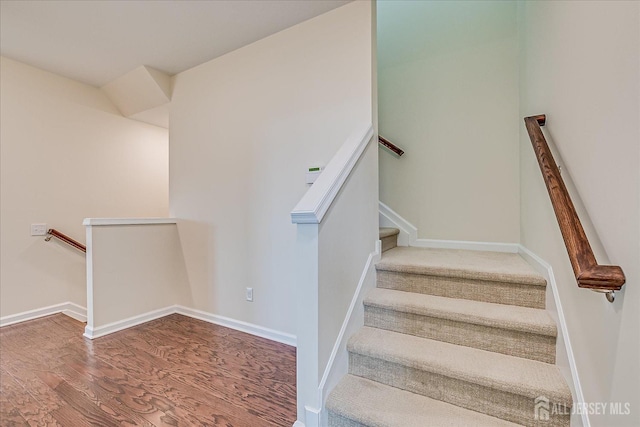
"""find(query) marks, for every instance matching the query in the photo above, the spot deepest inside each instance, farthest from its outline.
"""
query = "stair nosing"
(460, 274)
(388, 232)
(451, 409)
(445, 367)
(399, 266)
(415, 307)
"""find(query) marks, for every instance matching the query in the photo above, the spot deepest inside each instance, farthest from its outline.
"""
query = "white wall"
(66, 154)
(244, 128)
(346, 238)
(580, 65)
(448, 95)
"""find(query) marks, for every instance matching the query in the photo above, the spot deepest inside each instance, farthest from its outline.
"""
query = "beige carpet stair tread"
(374, 404)
(482, 265)
(387, 232)
(524, 377)
(511, 317)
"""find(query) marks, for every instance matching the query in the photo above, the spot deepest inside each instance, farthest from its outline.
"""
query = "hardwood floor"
(174, 371)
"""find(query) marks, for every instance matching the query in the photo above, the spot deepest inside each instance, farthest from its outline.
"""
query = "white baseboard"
(390, 218)
(110, 328)
(238, 325)
(312, 417)
(409, 235)
(80, 313)
(196, 314)
(511, 248)
(298, 424)
(76, 312)
(544, 268)
(68, 308)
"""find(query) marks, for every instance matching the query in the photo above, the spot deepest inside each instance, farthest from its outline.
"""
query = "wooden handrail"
(589, 274)
(66, 239)
(390, 145)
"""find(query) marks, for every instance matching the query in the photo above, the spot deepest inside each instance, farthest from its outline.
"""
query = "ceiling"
(98, 41)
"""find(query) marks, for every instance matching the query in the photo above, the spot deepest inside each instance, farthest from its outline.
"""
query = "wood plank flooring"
(174, 371)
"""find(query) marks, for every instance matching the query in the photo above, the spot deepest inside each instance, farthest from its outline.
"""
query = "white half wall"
(66, 154)
(244, 129)
(580, 65)
(345, 239)
(135, 272)
(338, 364)
(448, 95)
(331, 256)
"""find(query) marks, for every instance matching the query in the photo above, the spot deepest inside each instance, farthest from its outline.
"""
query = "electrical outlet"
(38, 229)
(249, 294)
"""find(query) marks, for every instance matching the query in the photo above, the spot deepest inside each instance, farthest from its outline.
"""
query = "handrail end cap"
(541, 119)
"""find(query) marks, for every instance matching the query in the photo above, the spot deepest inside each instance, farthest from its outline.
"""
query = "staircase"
(389, 238)
(452, 338)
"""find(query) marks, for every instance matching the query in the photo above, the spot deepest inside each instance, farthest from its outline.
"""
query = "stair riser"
(336, 420)
(469, 395)
(477, 290)
(389, 242)
(505, 341)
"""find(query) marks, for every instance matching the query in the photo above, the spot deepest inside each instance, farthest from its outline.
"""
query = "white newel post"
(307, 282)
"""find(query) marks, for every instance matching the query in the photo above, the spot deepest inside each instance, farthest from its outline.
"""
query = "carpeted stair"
(389, 238)
(452, 338)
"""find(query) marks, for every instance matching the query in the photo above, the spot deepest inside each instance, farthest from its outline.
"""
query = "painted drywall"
(341, 260)
(143, 94)
(244, 128)
(448, 95)
(66, 154)
(135, 269)
(580, 65)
